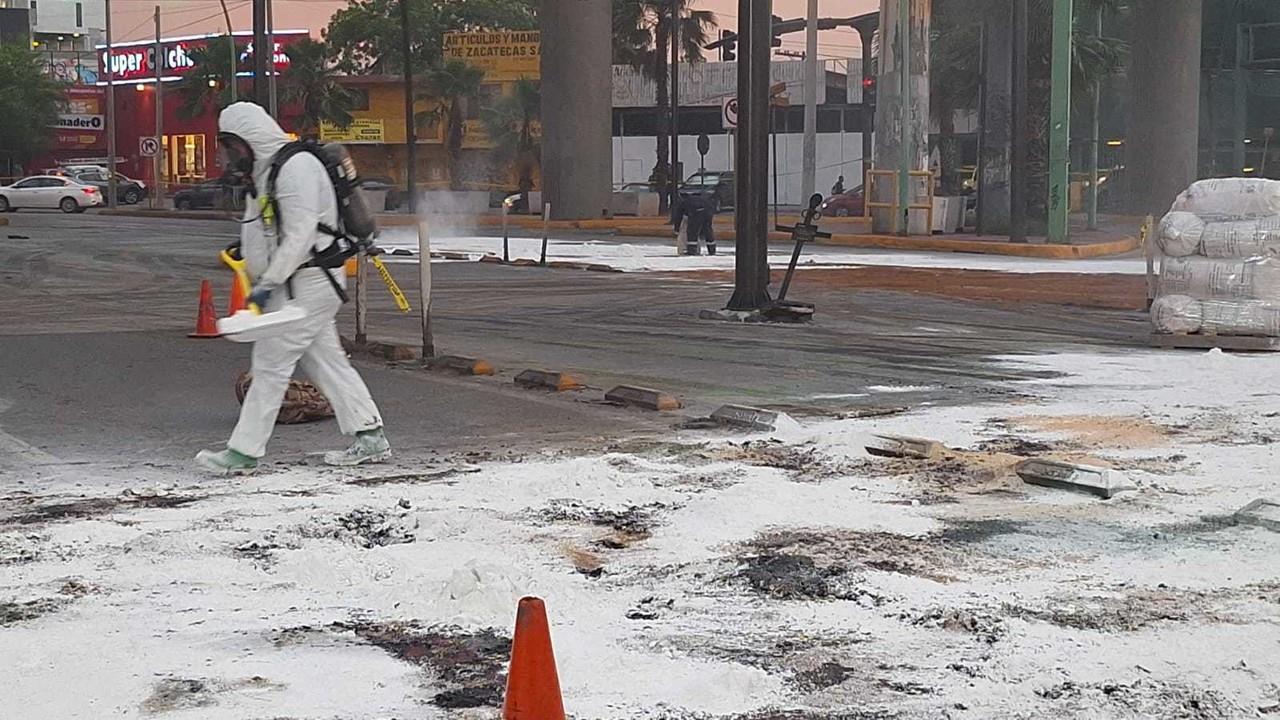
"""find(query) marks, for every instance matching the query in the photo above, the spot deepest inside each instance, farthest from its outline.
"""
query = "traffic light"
(728, 46)
(868, 91)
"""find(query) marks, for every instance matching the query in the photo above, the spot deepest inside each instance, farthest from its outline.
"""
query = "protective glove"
(259, 296)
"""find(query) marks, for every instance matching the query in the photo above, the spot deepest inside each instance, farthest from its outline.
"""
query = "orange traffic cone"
(533, 687)
(238, 300)
(207, 318)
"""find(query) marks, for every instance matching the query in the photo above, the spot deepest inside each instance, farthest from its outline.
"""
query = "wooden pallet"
(1202, 341)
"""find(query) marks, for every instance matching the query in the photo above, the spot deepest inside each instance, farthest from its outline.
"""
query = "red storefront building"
(189, 144)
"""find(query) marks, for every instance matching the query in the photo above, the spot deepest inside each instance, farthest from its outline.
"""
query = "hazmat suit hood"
(251, 123)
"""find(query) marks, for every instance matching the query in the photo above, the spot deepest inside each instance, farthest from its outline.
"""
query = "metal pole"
(1094, 140)
(362, 299)
(866, 36)
(424, 285)
(674, 40)
(231, 40)
(410, 127)
(809, 177)
(546, 217)
(1018, 165)
(271, 59)
(260, 90)
(1060, 123)
(773, 131)
(906, 145)
(157, 197)
(111, 118)
(751, 266)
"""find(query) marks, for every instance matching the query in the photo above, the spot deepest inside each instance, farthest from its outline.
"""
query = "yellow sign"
(361, 130)
(507, 55)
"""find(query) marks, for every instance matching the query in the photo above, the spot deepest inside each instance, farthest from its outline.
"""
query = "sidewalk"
(1118, 237)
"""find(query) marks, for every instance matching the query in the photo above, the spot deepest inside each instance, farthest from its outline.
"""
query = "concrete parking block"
(555, 381)
(1262, 512)
(647, 398)
(748, 418)
(901, 446)
(1103, 482)
(461, 365)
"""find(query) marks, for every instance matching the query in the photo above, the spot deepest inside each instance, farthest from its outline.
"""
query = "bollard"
(424, 287)
(546, 218)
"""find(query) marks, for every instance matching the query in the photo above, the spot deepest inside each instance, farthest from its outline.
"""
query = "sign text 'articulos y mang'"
(505, 55)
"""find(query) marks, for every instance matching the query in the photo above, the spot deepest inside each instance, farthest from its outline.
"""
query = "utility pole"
(1018, 165)
(1060, 123)
(111, 117)
(260, 54)
(410, 129)
(231, 41)
(673, 38)
(905, 142)
(808, 178)
(271, 59)
(157, 197)
(751, 221)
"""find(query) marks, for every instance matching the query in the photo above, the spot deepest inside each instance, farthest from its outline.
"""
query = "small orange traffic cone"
(207, 318)
(533, 687)
(239, 295)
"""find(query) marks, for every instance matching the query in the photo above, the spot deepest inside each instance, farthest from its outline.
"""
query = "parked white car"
(49, 191)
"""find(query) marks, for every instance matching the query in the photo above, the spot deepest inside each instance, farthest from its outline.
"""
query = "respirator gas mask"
(237, 161)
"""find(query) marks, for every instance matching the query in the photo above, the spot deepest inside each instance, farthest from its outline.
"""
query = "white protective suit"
(306, 198)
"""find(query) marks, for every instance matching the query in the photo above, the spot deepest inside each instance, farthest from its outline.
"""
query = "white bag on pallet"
(1179, 314)
(1240, 317)
(1220, 279)
(1179, 234)
(1241, 238)
(1231, 198)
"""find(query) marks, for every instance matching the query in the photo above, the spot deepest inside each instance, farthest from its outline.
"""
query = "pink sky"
(132, 18)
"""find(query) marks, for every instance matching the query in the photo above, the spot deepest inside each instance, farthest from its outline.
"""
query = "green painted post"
(906, 161)
(1060, 123)
(1095, 139)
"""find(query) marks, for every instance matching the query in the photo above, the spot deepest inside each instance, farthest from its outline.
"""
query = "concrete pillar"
(902, 110)
(997, 106)
(1164, 125)
(577, 152)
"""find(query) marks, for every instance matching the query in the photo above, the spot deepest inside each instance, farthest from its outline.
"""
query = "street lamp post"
(111, 118)
(751, 221)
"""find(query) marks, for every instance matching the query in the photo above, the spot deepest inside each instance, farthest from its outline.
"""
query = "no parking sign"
(729, 113)
(149, 146)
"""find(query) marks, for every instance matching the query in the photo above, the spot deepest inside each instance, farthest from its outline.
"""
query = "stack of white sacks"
(1220, 269)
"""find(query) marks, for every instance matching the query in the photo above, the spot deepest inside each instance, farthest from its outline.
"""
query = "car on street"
(634, 187)
(847, 204)
(51, 192)
(718, 184)
(213, 194)
(128, 190)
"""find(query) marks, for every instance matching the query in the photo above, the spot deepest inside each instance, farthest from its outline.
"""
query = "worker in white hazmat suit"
(277, 241)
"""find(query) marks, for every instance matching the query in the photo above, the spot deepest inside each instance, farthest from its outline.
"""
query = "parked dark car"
(717, 184)
(212, 194)
(128, 190)
(847, 204)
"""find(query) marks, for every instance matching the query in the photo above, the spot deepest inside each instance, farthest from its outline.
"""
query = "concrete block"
(642, 397)
(1103, 482)
(460, 365)
(491, 259)
(901, 446)
(555, 381)
(1263, 513)
(749, 418)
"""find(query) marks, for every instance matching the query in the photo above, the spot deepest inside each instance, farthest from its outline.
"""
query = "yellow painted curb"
(984, 247)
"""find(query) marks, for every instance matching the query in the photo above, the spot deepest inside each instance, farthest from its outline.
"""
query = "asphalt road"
(94, 312)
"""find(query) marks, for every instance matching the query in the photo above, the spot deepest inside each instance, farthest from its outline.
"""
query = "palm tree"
(641, 39)
(452, 85)
(29, 105)
(511, 124)
(311, 84)
(208, 82)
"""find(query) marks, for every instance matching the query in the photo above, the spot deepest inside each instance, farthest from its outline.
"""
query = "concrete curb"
(461, 365)
(984, 247)
(547, 380)
(172, 214)
(647, 398)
